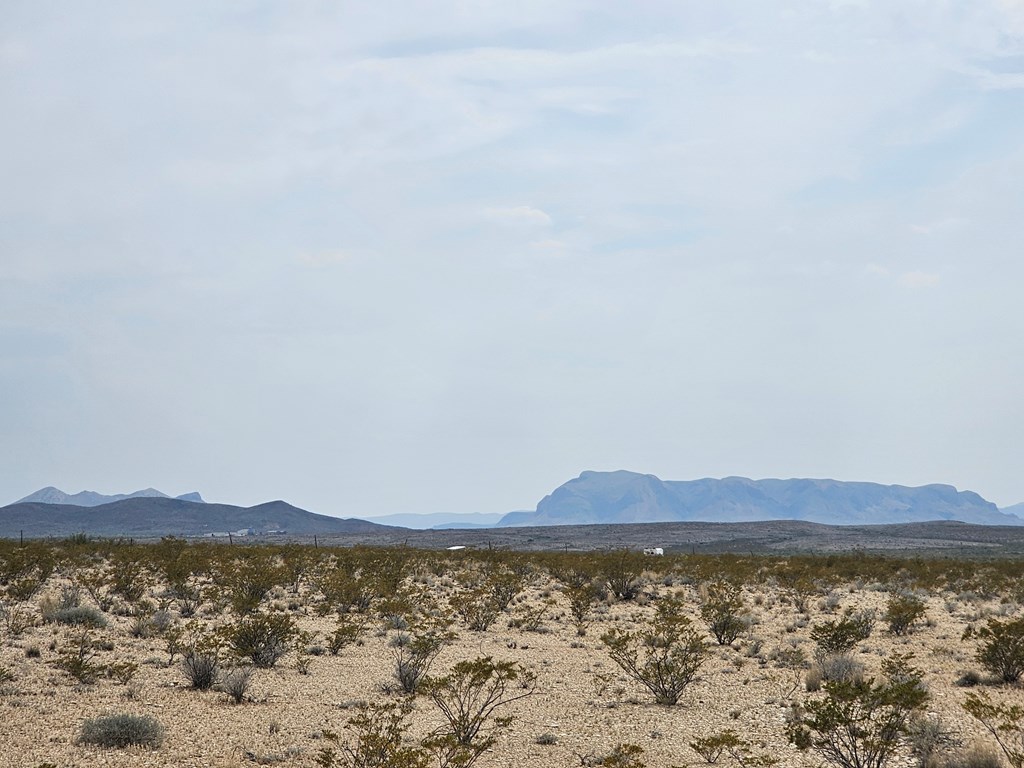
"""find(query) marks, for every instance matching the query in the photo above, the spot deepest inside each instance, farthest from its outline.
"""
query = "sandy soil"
(582, 698)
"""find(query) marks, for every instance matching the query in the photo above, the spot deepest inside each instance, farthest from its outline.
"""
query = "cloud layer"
(444, 260)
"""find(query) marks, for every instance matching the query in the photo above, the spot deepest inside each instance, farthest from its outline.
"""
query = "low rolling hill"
(159, 516)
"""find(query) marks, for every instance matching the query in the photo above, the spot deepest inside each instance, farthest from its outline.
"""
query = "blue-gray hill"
(51, 495)
(629, 497)
(151, 516)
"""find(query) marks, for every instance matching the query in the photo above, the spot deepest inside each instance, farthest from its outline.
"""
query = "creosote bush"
(378, 734)
(121, 731)
(902, 611)
(1002, 649)
(841, 636)
(721, 609)
(467, 697)
(860, 724)
(261, 638)
(664, 656)
(1004, 722)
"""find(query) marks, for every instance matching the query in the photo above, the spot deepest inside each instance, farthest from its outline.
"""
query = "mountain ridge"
(153, 516)
(52, 495)
(630, 497)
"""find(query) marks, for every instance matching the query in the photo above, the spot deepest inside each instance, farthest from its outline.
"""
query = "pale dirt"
(43, 708)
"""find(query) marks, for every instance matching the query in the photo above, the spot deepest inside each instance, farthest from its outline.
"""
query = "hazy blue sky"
(376, 257)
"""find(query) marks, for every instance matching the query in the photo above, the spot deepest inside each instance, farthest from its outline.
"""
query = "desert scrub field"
(195, 654)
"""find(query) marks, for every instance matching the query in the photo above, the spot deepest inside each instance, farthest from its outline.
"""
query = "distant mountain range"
(152, 516)
(1016, 509)
(51, 495)
(440, 520)
(629, 497)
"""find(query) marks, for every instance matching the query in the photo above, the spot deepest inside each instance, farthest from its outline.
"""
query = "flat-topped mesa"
(630, 497)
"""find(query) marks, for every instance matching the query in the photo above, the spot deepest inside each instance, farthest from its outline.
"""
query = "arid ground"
(583, 706)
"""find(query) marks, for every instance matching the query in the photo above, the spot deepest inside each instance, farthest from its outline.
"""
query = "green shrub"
(414, 652)
(663, 657)
(122, 731)
(624, 756)
(378, 734)
(1002, 650)
(902, 611)
(711, 748)
(478, 608)
(859, 724)
(468, 697)
(262, 638)
(1003, 722)
(840, 637)
(721, 609)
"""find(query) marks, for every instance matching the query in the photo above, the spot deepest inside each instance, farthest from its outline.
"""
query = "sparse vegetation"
(344, 609)
(663, 657)
(121, 730)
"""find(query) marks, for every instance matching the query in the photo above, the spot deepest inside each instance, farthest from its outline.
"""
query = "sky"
(381, 257)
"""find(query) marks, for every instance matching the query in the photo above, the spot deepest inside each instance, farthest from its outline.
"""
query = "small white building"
(655, 551)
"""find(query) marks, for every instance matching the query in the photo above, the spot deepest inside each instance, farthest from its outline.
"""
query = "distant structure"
(655, 551)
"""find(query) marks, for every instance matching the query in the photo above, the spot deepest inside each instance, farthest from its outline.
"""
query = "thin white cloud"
(940, 226)
(520, 215)
(920, 279)
(322, 258)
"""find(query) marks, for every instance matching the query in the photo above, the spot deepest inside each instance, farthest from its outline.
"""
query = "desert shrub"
(200, 651)
(622, 574)
(16, 618)
(968, 679)
(711, 748)
(581, 598)
(1003, 722)
(245, 582)
(530, 618)
(235, 683)
(77, 659)
(345, 633)
(122, 731)
(624, 756)
(664, 656)
(860, 724)
(929, 739)
(201, 668)
(840, 667)
(415, 651)
(262, 638)
(467, 697)
(76, 616)
(96, 582)
(973, 757)
(721, 609)
(1002, 650)
(812, 680)
(478, 608)
(145, 624)
(378, 734)
(129, 577)
(24, 570)
(343, 591)
(840, 637)
(901, 611)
